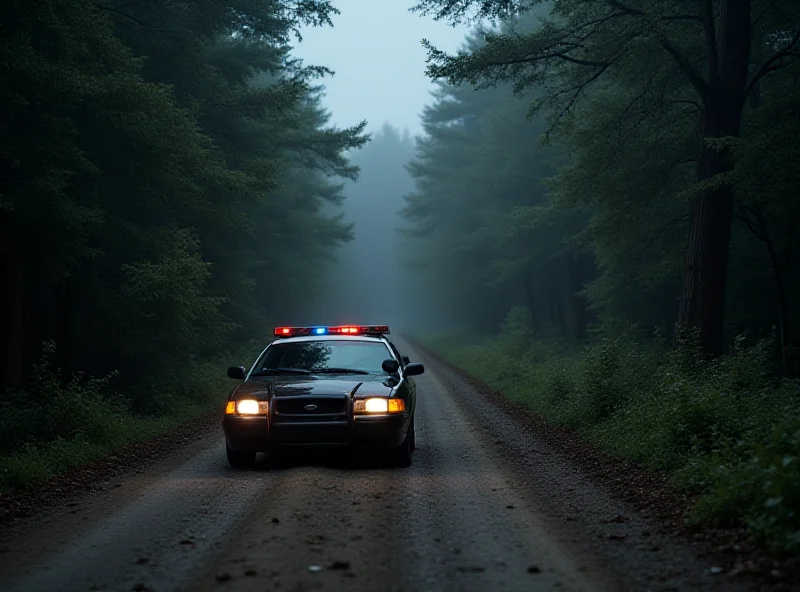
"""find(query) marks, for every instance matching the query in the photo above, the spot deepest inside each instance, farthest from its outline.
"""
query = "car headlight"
(247, 407)
(379, 405)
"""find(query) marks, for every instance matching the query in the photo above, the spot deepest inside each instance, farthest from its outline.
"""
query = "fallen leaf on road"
(619, 519)
(340, 565)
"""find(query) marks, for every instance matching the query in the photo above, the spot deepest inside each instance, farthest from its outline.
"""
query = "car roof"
(306, 338)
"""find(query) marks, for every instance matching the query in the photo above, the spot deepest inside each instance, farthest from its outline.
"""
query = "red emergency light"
(340, 330)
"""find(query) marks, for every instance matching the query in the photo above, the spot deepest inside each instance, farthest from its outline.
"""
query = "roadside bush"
(726, 428)
(61, 422)
(56, 409)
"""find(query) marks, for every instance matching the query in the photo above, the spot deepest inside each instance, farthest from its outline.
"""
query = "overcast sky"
(374, 48)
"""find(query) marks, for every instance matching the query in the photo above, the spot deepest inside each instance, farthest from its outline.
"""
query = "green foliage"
(55, 407)
(581, 214)
(59, 421)
(158, 162)
(724, 428)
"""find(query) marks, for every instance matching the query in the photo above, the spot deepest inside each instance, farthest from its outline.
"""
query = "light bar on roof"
(338, 330)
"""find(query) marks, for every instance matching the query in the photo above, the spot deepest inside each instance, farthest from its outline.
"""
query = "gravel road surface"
(485, 506)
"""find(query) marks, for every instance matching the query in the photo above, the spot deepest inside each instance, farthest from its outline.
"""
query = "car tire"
(240, 459)
(401, 456)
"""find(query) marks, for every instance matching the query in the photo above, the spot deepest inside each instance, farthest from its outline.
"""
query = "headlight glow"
(251, 407)
(379, 405)
(376, 405)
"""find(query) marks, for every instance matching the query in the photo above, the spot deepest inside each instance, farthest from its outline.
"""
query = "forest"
(158, 161)
(606, 195)
(599, 219)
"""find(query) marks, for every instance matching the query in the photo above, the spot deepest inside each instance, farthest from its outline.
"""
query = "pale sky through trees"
(374, 48)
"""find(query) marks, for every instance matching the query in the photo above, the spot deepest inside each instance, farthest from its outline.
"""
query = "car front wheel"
(239, 459)
(401, 456)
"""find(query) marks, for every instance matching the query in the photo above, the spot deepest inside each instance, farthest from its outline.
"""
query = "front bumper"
(262, 434)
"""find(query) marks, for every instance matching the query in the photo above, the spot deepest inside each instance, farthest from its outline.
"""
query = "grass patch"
(60, 423)
(725, 429)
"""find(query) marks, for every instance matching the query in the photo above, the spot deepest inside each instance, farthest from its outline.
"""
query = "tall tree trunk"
(578, 266)
(530, 297)
(706, 265)
(64, 312)
(13, 339)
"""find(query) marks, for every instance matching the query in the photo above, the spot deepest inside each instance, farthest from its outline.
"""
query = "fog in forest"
(368, 283)
(592, 204)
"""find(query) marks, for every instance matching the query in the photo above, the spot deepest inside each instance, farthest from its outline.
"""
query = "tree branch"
(625, 8)
(578, 89)
(683, 62)
(123, 14)
(660, 232)
(696, 80)
(749, 225)
(770, 64)
(681, 17)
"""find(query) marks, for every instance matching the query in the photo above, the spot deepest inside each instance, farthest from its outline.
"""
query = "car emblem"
(310, 407)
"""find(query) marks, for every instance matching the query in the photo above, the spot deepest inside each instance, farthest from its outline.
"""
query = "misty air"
(399, 295)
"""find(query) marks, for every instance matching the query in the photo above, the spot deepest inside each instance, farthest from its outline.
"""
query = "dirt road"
(485, 506)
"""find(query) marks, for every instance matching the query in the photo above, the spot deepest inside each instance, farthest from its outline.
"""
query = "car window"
(396, 353)
(366, 356)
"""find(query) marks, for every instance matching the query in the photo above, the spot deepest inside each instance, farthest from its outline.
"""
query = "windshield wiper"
(340, 371)
(273, 371)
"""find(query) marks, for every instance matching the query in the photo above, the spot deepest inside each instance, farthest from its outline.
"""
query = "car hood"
(293, 386)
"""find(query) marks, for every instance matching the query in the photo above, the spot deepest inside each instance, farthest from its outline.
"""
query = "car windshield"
(328, 357)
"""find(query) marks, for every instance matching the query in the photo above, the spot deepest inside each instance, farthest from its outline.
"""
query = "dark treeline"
(159, 161)
(611, 210)
(661, 153)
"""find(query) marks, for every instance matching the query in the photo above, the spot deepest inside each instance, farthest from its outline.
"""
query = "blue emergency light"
(339, 330)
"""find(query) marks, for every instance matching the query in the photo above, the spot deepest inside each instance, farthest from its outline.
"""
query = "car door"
(409, 381)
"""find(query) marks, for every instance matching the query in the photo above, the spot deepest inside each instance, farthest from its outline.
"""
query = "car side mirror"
(236, 372)
(390, 366)
(414, 369)
(405, 360)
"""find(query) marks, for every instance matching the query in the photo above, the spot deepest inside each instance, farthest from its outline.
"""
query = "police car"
(323, 386)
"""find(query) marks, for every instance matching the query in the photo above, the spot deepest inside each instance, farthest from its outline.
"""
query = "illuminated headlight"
(379, 405)
(247, 407)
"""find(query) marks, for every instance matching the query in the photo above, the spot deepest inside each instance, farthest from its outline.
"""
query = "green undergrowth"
(726, 429)
(60, 422)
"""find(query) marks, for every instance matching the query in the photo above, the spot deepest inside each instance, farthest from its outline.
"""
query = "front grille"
(323, 406)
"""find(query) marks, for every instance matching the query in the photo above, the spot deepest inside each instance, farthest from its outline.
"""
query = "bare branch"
(683, 62)
(578, 89)
(772, 63)
(681, 17)
(625, 8)
(660, 232)
(696, 80)
(686, 102)
(123, 14)
(750, 225)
